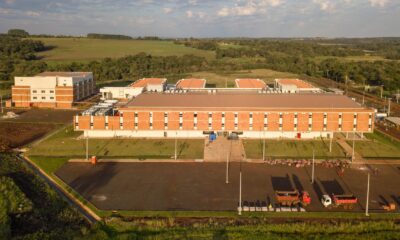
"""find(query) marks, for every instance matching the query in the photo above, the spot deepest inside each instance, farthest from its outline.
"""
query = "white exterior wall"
(121, 92)
(196, 134)
(155, 88)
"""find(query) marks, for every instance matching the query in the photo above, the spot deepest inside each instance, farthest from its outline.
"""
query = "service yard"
(201, 186)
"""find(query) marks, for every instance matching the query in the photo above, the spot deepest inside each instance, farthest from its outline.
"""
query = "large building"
(191, 83)
(250, 83)
(52, 89)
(250, 115)
(151, 84)
(294, 86)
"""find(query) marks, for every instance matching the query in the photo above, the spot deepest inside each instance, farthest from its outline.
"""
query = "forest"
(312, 57)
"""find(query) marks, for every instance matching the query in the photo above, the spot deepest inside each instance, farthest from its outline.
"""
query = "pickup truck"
(345, 201)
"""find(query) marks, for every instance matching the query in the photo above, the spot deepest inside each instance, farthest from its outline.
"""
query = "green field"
(85, 49)
(65, 144)
(221, 79)
(377, 145)
(292, 149)
(362, 58)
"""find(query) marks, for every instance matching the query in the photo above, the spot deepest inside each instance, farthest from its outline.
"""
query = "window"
(165, 124)
(136, 124)
(324, 125)
(369, 126)
(151, 115)
(43, 91)
(51, 91)
(34, 97)
(165, 115)
(210, 115)
(195, 115)
(236, 125)
(340, 125)
(265, 125)
(280, 115)
(251, 115)
(34, 91)
(223, 124)
(180, 115)
(195, 124)
(121, 124)
(310, 115)
(180, 124)
(309, 125)
(280, 125)
(295, 125)
(151, 124)
(91, 124)
(43, 98)
(209, 125)
(64, 84)
(76, 124)
(106, 124)
(51, 97)
(136, 115)
(295, 115)
(340, 116)
(223, 115)
(251, 125)
(355, 126)
(265, 115)
(236, 115)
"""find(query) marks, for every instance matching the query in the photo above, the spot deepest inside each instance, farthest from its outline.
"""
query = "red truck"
(290, 198)
(346, 201)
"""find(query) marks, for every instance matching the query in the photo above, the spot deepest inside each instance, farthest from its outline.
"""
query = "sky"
(205, 18)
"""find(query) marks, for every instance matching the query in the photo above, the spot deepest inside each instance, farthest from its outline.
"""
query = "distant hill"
(108, 36)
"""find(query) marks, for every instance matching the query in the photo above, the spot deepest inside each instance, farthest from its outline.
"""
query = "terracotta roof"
(243, 101)
(191, 83)
(297, 82)
(148, 81)
(250, 83)
(63, 74)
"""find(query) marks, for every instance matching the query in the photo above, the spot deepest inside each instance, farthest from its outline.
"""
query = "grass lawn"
(377, 146)
(65, 144)
(85, 49)
(222, 78)
(292, 149)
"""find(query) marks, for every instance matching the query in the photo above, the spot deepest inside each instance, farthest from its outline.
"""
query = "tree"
(18, 33)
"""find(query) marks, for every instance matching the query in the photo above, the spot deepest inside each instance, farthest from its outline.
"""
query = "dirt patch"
(42, 116)
(18, 134)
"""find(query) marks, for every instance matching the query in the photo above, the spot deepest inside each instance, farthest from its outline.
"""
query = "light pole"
(352, 153)
(176, 143)
(388, 112)
(87, 147)
(367, 202)
(264, 146)
(313, 166)
(240, 188)
(227, 169)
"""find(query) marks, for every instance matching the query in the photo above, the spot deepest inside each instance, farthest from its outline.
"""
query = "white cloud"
(167, 10)
(378, 3)
(9, 2)
(189, 14)
(32, 13)
(325, 5)
(249, 7)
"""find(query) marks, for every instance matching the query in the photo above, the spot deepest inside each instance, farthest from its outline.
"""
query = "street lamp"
(240, 188)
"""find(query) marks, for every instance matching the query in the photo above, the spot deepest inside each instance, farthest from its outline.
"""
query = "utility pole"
(367, 202)
(176, 143)
(352, 154)
(330, 143)
(264, 146)
(87, 147)
(227, 169)
(240, 189)
(313, 167)
(388, 112)
(1, 103)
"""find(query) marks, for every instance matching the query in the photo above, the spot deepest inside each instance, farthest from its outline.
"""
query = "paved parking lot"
(201, 186)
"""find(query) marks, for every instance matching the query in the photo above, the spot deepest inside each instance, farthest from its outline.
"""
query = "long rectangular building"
(251, 115)
(52, 89)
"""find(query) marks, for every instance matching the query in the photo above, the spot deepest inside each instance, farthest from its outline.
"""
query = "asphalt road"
(201, 186)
